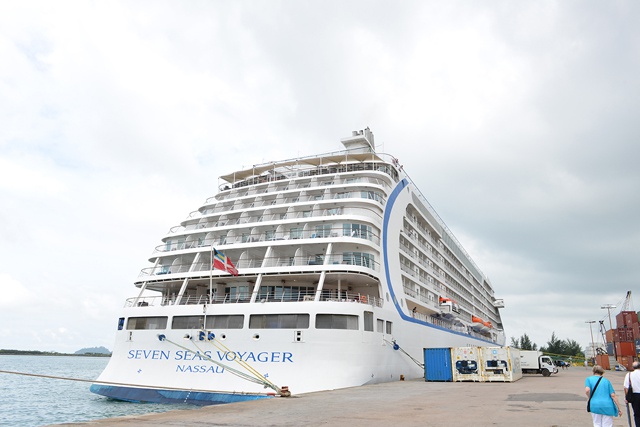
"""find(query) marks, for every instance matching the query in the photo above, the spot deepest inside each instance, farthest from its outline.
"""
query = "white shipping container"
(501, 364)
(466, 364)
(482, 364)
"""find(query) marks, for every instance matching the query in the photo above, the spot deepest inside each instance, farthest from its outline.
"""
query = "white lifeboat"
(449, 308)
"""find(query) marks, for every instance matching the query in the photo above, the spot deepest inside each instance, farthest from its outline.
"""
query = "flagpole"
(211, 274)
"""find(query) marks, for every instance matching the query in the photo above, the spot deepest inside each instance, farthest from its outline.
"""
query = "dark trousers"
(635, 404)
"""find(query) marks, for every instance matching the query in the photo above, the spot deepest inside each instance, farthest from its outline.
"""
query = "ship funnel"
(360, 141)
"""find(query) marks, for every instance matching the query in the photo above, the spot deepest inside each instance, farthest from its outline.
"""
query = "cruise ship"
(307, 274)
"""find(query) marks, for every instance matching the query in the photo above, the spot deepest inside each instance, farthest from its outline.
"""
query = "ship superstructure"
(345, 275)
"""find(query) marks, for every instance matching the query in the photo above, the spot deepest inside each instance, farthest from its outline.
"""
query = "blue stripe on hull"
(385, 235)
(131, 394)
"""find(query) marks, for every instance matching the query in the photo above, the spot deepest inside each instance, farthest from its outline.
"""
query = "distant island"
(89, 351)
(93, 350)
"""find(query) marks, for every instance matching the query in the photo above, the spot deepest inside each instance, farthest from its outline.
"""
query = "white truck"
(534, 362)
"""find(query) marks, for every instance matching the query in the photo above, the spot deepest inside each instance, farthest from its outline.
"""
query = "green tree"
(523, 343)
(526, 344)
(554, 345)
(515, 342)
(566, 347)
(572, 348)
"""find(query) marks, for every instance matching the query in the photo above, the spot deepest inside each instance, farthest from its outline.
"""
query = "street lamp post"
(593, 345)
(613, 335)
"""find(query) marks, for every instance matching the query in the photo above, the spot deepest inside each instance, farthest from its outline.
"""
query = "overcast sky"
(518, 120)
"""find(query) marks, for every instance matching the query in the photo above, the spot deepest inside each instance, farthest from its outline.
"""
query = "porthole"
(256, 337)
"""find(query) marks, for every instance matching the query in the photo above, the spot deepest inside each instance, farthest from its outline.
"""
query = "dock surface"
(533, 401)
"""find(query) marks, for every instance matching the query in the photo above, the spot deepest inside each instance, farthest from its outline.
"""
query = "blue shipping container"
(437, 364)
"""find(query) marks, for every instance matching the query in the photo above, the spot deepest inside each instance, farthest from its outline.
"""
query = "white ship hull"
(344, 295)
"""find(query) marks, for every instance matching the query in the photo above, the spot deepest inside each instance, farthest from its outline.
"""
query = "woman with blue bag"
(603, 403)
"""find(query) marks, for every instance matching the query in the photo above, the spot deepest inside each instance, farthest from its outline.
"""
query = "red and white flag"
(222, 262)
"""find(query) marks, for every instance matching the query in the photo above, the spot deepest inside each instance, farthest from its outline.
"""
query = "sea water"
(28, 401)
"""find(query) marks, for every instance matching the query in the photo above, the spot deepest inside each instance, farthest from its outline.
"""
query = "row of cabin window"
(258, 321)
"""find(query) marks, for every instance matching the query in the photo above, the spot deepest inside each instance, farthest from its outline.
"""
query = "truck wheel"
(545, 372)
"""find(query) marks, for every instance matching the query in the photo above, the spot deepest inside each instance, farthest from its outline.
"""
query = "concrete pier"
(533, 401)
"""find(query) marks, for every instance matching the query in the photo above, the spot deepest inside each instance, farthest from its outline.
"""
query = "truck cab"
(547, 367)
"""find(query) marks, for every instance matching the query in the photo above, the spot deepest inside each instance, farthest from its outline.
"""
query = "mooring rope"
(47, 376)
(253, 375)
(397, 347)
(243, 363)
(119, 383)
(256, 378)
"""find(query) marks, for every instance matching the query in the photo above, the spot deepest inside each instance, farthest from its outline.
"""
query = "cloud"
(13, 292)
(517, 121)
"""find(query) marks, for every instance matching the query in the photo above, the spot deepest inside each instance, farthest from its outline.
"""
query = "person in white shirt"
(633, 379)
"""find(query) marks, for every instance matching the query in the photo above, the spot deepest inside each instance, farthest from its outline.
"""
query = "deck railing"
(264, 236)
(340, 261)
(262, 297)
(333, 296)
(315, 213)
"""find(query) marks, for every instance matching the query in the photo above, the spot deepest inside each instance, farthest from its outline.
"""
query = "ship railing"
(338, 260)
(164, 300)
(313, 212)
(407, 270)
(424, 278)
(279, 172)
(195, 214)
(361, 194)
(291, 191)
(341, 259)
(408, 290)
(406, 249)
(347, 296)
(285, 295)
(239, 297)
(424, 263)
(428, 301)
(325, 295)
(448, 234)
(260, 208)
(426, 233)
(422, 316)
(452, 325)
(170, 246)
(411, 292)
(146, 301)
(245, 297)
(176, 229)
(425, 246)
(444, 323)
